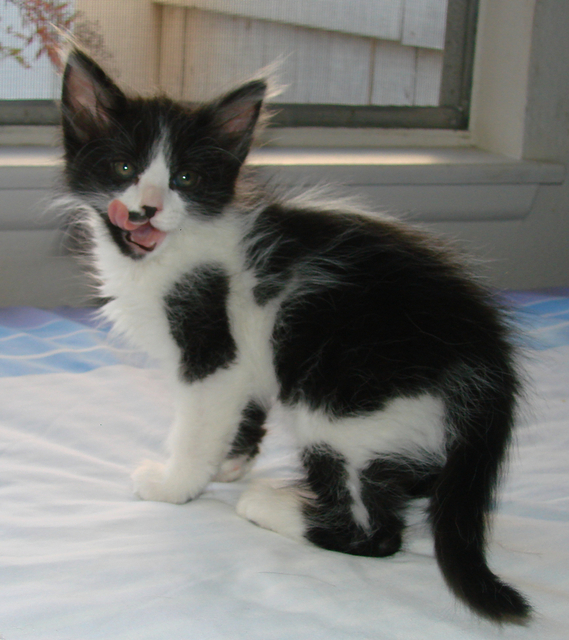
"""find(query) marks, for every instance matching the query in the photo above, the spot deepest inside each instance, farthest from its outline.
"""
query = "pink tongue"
(143, 236)
(118, 215)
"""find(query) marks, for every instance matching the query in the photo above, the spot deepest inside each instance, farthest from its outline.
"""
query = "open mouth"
(141, 236)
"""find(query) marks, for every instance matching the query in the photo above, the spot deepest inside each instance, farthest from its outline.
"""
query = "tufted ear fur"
(89, 97)
(237, 114)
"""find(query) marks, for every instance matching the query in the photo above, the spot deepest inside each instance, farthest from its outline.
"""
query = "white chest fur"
(137, 288)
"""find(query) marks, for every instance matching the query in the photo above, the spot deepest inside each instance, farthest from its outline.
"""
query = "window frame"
(453, 111)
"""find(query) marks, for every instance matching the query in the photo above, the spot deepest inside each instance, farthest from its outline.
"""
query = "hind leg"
(279, 509)
(245, 445)
(334, 507)
(351, 514)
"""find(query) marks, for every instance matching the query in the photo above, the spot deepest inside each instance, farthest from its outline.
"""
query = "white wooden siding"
(316, 65)
(417, 23)
(374, 18)
(394, 75)
(172, 51)
(424, 23)
(358, 52)
(427, 77)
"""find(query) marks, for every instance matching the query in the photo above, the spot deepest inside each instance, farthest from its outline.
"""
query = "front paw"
(154, 481)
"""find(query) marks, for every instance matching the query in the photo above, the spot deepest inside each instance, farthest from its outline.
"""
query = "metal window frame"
(452, 112)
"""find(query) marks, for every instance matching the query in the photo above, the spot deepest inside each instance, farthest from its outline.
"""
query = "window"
(363, 63)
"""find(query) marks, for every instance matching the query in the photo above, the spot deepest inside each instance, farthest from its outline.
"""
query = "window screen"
(363, 63)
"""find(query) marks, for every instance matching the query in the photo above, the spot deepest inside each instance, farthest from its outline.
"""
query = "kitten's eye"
(123, 169)
(186, 179)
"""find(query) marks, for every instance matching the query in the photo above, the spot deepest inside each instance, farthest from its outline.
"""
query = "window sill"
(428, 184)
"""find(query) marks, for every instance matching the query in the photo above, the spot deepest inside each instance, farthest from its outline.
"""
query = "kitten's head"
(147, 165)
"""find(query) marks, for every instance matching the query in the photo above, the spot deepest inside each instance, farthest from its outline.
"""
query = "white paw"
(277, 509)
(153, 481)
(232, 469)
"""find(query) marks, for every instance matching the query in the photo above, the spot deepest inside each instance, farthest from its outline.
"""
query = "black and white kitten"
(394, 367)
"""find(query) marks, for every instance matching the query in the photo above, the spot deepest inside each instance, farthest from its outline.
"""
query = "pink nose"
(152, 197)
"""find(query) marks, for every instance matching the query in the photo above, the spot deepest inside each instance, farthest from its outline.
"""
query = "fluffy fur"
(394, 366)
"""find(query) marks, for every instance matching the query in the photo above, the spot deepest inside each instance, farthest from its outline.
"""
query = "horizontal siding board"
(327, 68)
(205, 53)
(393, 75)
(424, 23)
(315, 67)
(373, 18)
(222, 51)
(428, 78)
(36, 272)
(32, 201)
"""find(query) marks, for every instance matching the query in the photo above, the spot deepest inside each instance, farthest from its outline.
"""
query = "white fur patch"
(277, 509)
(359, 510)
(154, 481)
(411, 426)
(208, 412)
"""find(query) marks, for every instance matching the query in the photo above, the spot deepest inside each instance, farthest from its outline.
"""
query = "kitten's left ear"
(237, 115)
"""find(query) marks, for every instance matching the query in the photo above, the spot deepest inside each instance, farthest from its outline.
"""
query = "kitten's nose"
(151, 199)
(149, 211)
(138, 216)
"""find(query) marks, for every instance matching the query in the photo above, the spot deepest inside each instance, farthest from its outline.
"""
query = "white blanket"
(82, 558)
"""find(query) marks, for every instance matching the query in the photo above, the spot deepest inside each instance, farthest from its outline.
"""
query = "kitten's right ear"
(89, 97)
(237, 115)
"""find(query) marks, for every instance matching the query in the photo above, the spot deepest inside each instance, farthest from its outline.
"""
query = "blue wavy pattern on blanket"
(543, 317)
(36, 341)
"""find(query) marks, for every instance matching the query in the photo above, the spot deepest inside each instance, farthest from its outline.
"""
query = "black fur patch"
(329, 516)
(375, 312)
(408, 477)
(273, 253)
(387, 485)
(197, 315)
(330, 519)
(250, 432)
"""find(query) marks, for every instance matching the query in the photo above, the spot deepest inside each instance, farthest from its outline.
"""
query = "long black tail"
(480, 415)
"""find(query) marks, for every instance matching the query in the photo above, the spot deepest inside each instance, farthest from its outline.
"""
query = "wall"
(534, 252)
